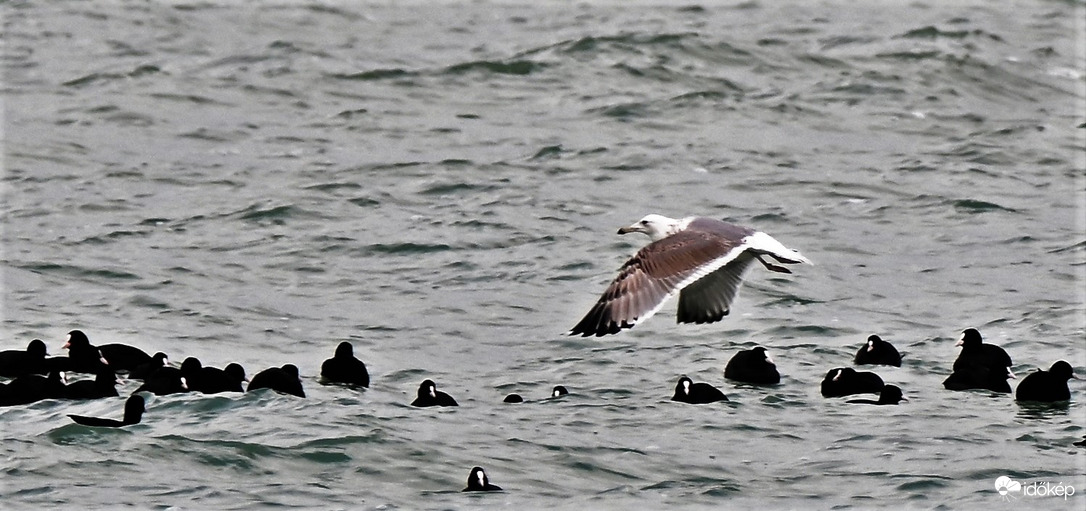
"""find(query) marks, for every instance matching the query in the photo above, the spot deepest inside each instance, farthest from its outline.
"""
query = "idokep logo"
(1008, 487)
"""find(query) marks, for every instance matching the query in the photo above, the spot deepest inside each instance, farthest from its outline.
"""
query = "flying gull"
(700, 259)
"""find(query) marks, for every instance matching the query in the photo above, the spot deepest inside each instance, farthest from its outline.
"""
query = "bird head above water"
(344, 350)
(684, 385)
(428, 388)
(1063, 371)
(970, 338)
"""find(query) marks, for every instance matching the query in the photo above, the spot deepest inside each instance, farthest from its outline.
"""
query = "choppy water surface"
(441, 184)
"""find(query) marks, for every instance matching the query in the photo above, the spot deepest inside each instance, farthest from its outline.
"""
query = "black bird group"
(756, 367)
(987, 366)
(428, 396)
(978, 366)
(557, 391)
(36, 376)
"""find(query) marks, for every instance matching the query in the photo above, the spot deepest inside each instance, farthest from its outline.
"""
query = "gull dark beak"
(626, 230)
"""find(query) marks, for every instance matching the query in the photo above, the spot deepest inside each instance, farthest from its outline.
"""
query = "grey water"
(440, 183)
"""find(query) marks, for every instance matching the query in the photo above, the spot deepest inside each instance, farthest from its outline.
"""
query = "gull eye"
(644, 222)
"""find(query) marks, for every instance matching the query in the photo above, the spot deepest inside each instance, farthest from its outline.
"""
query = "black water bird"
(171, 380)
(61, 363)
(285, 379)
(1047, 386)
(752, 366)
(122, 357)
(148, 370)
(877, 352)
(975, 350)
(19, 362)
(890, 395)
(165, 382)
(979, 377)
(513, 398)
(103, 385)
(192, 371)
(30, 388)
(478, 481)
(559, 391)
(83, 357)
(343, 367)
(979, 365)
(686, 391)
(213, 380)
(845, 381)
(133, 414)
(428, 395)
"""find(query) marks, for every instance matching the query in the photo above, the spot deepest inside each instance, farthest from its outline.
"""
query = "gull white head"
(657, 227)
